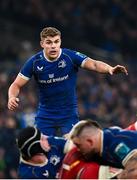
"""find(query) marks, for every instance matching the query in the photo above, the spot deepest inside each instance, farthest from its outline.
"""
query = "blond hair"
(49, 31)
(82, 125)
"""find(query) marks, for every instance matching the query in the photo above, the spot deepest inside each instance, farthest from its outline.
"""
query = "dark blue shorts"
(54, 127)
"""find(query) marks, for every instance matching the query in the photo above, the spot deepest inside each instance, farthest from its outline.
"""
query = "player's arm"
(99, 66)
(130, 170)
(13, 92)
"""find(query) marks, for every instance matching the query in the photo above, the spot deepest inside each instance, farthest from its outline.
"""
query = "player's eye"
(56, 41)
(48, 42)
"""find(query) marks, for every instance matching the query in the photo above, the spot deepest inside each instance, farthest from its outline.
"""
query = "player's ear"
(90, 141)
(41, 43)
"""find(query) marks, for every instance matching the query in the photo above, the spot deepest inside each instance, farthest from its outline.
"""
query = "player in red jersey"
(132, 127)
(74, 167)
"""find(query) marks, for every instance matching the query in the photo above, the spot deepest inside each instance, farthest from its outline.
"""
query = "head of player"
(32, 145)
(86, 135)
(51, 42)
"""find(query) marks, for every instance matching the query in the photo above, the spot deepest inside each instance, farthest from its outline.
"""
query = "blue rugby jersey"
(118, 146)
(51, 168)
(56, 83)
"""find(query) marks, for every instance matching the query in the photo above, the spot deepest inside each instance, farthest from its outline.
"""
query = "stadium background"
(102, 29)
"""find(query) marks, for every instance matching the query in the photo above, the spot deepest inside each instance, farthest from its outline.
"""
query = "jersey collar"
(54, 59)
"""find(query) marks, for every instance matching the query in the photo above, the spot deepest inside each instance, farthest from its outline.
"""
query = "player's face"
(39, 158)
(51, 46)
(85, 146)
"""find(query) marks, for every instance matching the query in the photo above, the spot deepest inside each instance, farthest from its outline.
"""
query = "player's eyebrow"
(50, 41)
(56, 40)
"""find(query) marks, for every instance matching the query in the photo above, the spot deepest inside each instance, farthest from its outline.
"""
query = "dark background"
(102, 29)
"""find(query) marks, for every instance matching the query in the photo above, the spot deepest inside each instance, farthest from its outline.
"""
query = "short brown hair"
(49, 31)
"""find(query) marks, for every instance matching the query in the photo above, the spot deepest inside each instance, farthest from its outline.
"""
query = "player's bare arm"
(102, 67)
(13, 100)
(130, 171)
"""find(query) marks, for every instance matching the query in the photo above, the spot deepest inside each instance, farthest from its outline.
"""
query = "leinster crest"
(54, 159)
(62, 64)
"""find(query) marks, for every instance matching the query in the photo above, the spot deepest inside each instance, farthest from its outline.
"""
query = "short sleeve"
(60, 142)
(78, 58)
(26, 71)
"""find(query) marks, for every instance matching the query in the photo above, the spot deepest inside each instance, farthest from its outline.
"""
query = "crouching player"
(75, 167)
(40, 156)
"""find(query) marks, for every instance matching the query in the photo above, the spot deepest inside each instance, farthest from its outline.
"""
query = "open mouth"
(53, 52)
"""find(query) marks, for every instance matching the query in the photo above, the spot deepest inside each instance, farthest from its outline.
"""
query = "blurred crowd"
(103, 29)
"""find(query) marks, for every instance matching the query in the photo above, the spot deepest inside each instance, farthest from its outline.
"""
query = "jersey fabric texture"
(56, 82)
(74, 167)
(118, 146)
(50, 170)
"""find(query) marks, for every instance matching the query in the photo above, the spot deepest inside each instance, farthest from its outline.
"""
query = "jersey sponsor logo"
(122, 150)
(40, 68)
(46, 173)
(62, 64)
(53, 80)
(81, 55)
(54, 159)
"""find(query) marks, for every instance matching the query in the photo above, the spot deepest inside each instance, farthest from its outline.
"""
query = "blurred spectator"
(99, 28)
(2, 163)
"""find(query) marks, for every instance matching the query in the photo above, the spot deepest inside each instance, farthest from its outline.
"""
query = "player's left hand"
(118, 69)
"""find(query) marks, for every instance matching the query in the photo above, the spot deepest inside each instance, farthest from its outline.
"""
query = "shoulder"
(69, 52)
(72, 156)
(66, 50)
(38, 56)
(74, 54)
(112, 130)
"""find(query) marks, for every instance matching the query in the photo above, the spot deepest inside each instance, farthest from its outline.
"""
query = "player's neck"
(52, 60)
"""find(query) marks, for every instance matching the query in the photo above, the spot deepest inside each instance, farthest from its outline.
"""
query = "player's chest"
(48, 70)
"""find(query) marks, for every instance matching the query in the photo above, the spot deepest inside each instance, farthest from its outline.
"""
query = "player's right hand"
(44, 143)
(13, 103)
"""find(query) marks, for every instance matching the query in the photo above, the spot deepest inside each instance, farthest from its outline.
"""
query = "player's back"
(32, 171)
(118, 146)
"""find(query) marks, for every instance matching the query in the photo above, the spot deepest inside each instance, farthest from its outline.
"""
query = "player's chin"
(53, 56)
